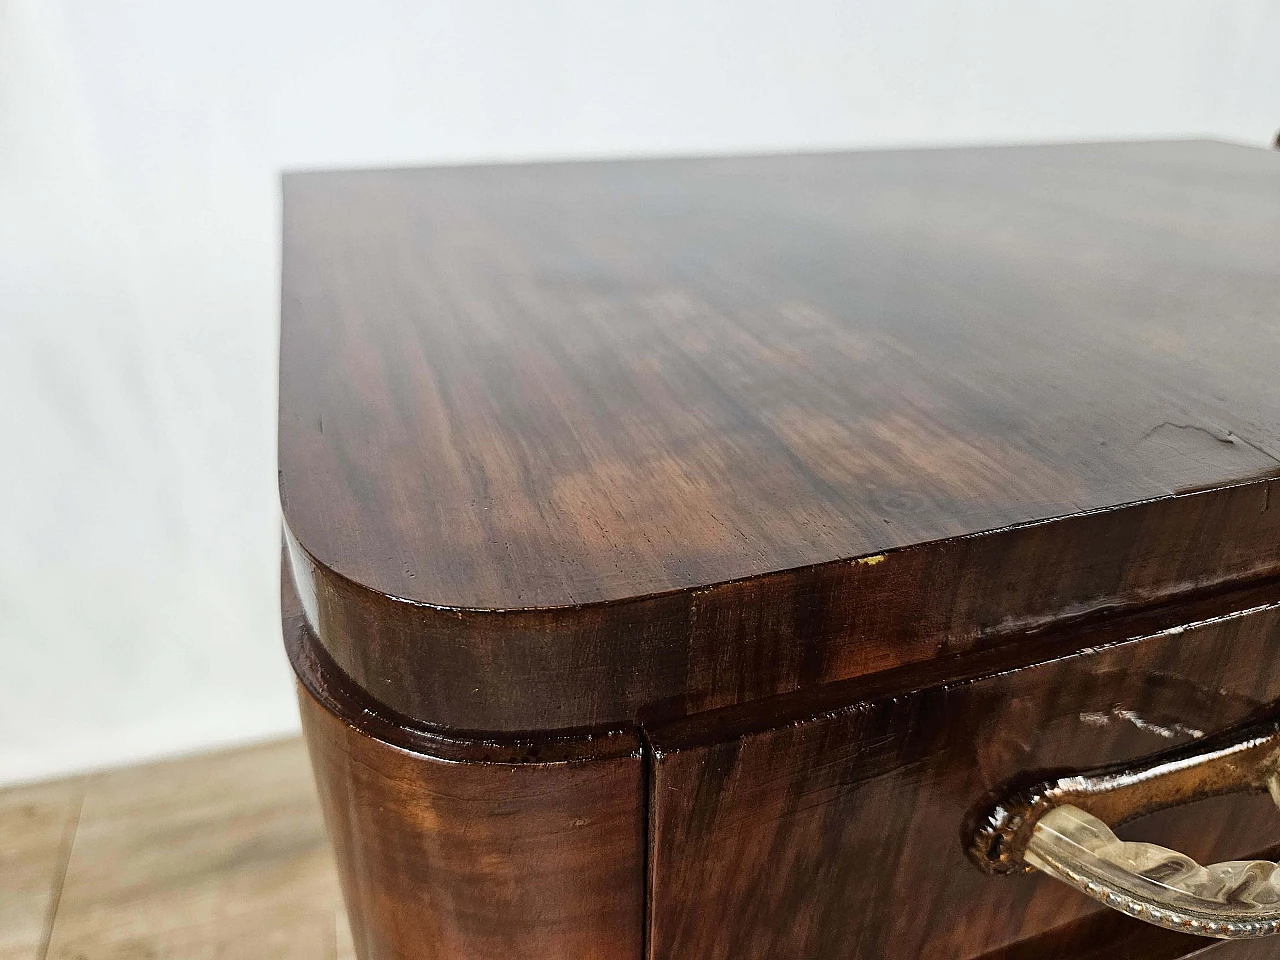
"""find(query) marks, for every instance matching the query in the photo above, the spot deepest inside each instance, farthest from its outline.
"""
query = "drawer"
(838, 831)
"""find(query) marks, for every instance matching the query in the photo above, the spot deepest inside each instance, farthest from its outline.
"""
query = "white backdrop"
(139, 147)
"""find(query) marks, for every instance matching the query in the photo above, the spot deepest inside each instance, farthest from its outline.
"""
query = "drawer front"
(843, 835)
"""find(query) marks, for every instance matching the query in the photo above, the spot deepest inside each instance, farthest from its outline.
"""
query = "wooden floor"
(218, 857)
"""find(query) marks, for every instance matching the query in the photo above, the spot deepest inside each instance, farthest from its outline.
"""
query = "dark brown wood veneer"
(840, 834)
(565, 445)
(685, 550)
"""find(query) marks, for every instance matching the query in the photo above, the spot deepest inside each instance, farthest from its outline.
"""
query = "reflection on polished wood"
(650, 412)
(452, 848)
(840, 830)
(217, 857)
(749, 494)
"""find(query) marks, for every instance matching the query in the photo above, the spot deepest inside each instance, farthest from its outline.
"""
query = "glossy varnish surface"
(840, 831)
(484, 861)
(455, 848)
(549, 385)
(616, 432)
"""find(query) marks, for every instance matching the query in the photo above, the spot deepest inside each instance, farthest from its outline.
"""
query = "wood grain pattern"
(569, 445)
(1107, 935)
(682, 653)
(36, 825)
(451, 848)
(221, 856)
(448, 860)
(35, 819)
(275, 933)
(794, 466)
(843, 835)
(1240, 950)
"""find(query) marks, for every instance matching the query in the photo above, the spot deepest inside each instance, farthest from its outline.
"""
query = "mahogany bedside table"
(808, 557)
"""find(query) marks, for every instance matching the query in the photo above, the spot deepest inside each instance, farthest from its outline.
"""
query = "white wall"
(139, 146)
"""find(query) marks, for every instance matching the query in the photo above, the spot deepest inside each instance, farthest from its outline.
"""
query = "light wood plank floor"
(217, 857)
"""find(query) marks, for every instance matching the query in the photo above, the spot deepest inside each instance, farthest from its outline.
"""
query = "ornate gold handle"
(1064, 828)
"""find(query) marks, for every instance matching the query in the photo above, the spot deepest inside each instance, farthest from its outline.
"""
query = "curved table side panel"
(450, 849)
(446, 859)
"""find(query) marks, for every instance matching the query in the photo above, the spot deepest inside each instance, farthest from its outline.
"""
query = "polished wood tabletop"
(682, 557)
(527, 408)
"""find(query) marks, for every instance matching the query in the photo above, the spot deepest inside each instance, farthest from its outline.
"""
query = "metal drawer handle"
(1063, 827)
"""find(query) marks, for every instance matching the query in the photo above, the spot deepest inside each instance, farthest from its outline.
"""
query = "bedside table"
(759, 557)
